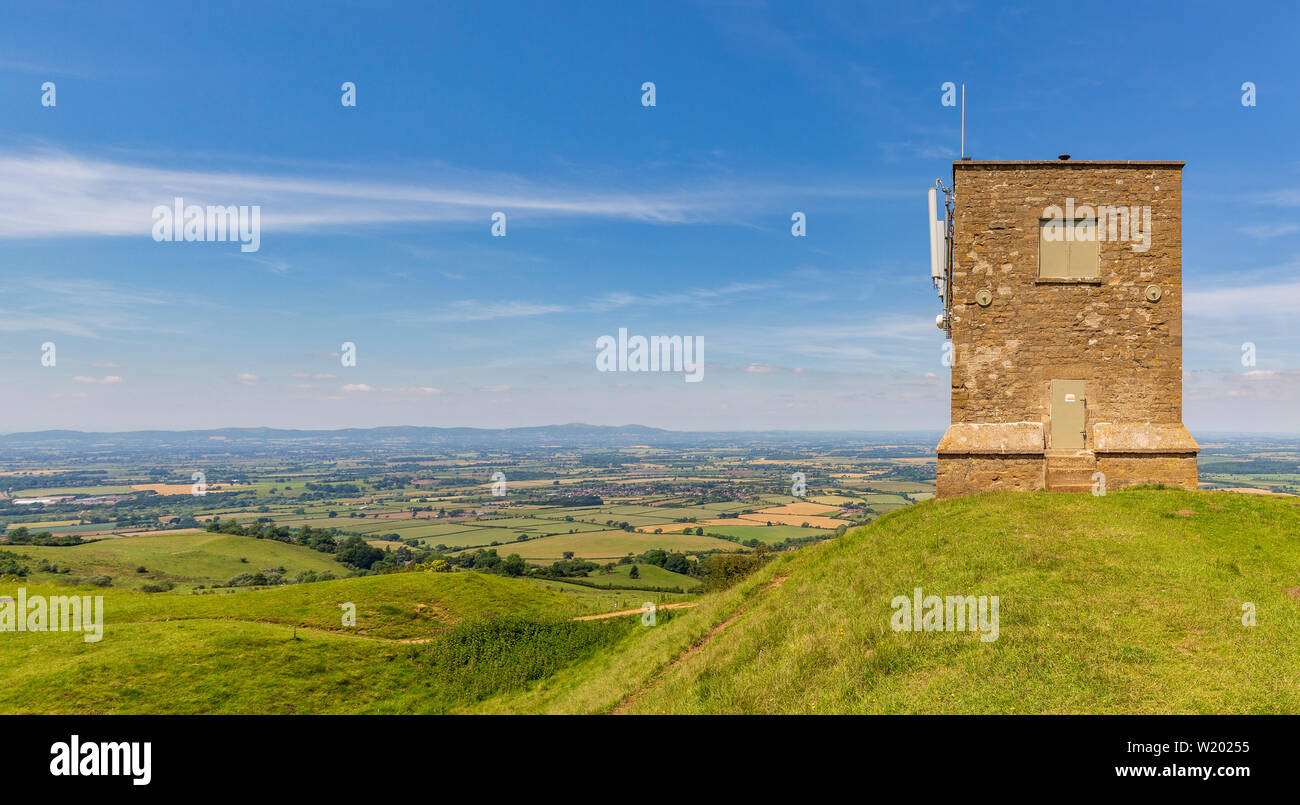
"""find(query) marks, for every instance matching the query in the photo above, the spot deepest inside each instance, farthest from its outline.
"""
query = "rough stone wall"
(1128, 349)
(967, 474)
(1132, 469)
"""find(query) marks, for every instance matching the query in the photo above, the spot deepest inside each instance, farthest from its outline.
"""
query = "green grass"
(768, 534)
(604, 546)
(874, 499)
(51, 491)
(239, 652)
(598, 600)
(650, 576)
(898, 486)
(184, 559)
(602, 517)
(199, 667)
(480, 658)
(1113, 604)
(70, 529)
(1108, 604)
(528, 524)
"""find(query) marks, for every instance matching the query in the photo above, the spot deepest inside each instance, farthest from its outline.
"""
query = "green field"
(650, 575)
(183, 558)
(280, 650)
(603, 546)
(875, 498)
(105, 489)
(898, 486)
(769, 534)
(69, 529)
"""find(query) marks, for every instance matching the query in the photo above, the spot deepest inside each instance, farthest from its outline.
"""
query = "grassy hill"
(185, 559)
(286, 650)
(1127, 603)
(651, 575)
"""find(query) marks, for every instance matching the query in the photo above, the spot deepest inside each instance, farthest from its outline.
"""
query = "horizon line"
(550, 425)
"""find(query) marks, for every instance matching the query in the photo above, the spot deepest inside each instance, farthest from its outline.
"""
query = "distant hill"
(275, 441)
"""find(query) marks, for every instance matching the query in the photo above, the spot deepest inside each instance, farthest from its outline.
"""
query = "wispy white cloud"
(1278, 198)
(78, 307)
(1264, 231)
(413, 390)
(466, 310)
(46, 70)
(108, 380)
(49, 193)
(1244, 300)
(690, 296)
(910, 149)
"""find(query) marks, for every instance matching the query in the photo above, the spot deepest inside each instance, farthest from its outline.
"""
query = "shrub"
(479, 658)
(11, 564)
(725, 569)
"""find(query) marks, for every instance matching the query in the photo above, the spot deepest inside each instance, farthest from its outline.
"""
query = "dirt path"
(603, 615)
(350, 632)
(361, 633)
(695, 648)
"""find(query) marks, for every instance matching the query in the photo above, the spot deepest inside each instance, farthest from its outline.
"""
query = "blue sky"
(666, 220)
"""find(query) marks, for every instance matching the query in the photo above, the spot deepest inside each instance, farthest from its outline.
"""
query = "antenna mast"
(963, 121)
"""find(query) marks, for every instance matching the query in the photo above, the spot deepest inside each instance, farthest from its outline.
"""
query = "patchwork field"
(761, 518)
(1130, 603)
(384, 521)
(768, 534)
(604, 546)
(796, 509)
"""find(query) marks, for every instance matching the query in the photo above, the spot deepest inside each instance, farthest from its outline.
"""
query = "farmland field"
(774, 533)
(181, 558)
(234, 601)
(606, 545)
(195, 585)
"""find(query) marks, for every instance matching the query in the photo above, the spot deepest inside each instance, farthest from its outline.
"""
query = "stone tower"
(1065, 313)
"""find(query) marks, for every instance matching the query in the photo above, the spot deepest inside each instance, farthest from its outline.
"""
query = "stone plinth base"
(978, 457)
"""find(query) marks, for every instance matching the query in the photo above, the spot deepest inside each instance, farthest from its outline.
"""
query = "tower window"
(1067, 249)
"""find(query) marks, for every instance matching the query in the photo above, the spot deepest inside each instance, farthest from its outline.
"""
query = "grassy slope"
(237, 652)
(651, 575)
(1108, 604)
(182, 558)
